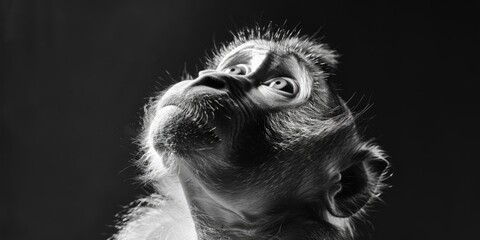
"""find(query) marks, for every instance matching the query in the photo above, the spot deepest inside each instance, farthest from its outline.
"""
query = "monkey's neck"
(216, 220)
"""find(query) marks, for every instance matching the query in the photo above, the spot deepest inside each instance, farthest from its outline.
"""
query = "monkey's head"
(261, 138)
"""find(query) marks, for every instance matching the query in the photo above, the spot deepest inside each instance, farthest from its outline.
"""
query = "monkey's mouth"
(184, 128)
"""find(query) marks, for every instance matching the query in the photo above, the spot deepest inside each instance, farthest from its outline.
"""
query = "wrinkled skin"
(262, 145)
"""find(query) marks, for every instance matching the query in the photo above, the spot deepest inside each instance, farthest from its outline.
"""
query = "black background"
(75, 75)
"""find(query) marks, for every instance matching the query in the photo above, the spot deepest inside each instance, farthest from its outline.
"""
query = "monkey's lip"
(183, 98)
(170, 108)
(201, 89)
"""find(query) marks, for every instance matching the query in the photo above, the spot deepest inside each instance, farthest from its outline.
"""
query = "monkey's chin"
(176, 131)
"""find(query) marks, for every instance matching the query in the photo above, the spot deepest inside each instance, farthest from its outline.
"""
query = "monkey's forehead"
(252, 51)
(310, 52)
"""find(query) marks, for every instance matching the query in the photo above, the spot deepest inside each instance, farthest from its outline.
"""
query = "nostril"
(212, 81)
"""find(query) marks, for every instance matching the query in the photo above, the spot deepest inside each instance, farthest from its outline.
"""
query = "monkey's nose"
(211, 80)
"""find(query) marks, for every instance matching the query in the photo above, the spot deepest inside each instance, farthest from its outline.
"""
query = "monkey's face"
(225, 113)
(248, 112)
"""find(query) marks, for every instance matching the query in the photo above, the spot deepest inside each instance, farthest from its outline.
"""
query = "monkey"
(258, 146)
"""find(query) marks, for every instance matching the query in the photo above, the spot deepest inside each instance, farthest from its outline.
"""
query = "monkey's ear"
(358, 183)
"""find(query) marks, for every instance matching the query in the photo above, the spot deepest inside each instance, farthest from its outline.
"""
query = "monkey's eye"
(283, 84)
(240, 69)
